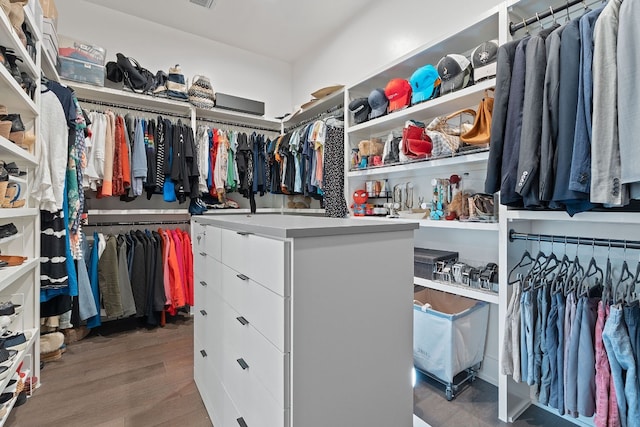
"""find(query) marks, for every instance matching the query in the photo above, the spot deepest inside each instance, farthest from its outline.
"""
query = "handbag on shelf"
(480, 132)
(201, 93)
(416, 144)
(136, 77)
(452, 125)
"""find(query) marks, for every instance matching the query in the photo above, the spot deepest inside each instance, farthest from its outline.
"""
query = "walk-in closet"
(289, 213)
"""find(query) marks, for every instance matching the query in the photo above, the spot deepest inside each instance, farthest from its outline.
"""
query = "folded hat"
(398, 92)
(425, 84)
(455, 72)
(360, 108)
(378, 102)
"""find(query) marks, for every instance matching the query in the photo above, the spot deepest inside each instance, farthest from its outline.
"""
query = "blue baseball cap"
(425, 83)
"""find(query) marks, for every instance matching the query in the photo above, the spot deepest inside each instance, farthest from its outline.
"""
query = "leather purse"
(136, 77)
(480, 132)
(452, 125)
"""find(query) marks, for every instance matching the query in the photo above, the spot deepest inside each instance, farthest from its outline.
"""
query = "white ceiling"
(281, 29)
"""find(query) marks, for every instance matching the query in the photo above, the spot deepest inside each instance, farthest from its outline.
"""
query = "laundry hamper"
(449, 333)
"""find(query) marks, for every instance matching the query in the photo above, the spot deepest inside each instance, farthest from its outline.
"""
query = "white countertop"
(286, 226)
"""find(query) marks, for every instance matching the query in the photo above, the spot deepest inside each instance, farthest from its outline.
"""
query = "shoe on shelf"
(13, 169)
(21, 399)
(8, 308)
(14, 341)
(13, 260)
(16, 134)
(8, 230)
(12, 196)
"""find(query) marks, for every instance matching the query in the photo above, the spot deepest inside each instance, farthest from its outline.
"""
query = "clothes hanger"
(574, 275)
(592, 271)
(539, 22)
(553, 15)
(525, 260)
(567, 11)
(548, 270)
(626, 277)
(557, 281)
(608, 280)
(535, 269)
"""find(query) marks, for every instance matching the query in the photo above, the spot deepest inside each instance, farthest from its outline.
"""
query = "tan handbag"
(451, 126)
(480, 133)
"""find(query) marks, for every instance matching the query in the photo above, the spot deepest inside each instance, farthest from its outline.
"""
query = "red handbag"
(416, 144)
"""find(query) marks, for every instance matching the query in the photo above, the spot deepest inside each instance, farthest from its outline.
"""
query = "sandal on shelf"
(13, 169)
(12, 196)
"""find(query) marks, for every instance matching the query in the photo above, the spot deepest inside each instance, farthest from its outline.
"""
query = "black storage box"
(425, 261)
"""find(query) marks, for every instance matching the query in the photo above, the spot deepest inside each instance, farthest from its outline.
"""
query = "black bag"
(136, 77)
(114, 73)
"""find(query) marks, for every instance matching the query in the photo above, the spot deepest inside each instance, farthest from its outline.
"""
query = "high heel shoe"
(16, 134)
(15, 71)
(5, 125)
(28, 84)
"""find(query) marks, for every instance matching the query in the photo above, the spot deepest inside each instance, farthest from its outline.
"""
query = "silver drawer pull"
(203, 283)
(242, 320)
(242, 363)
(203, 312)
(203, 253)
(203, 353)
(242, 277)
(241, 422)
(244, 233)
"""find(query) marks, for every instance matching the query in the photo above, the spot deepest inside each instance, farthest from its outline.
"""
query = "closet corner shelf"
(48, 66)
(615, 217)
(9, 39)
(443, 162)
(124, 98)
(11, 213)
(443, 105)
(10, 238)
(11, 274)
(316, 108)
(15, 97)
(10, 152)
(462, 290)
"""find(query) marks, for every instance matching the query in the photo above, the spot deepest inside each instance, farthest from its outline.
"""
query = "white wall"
(382, 33)
(232, 71)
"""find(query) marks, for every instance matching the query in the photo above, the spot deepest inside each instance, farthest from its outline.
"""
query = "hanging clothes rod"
(130, 223)
(241, 125)
(314, 118)
(128, 107)
(513, 27)
(587, 241)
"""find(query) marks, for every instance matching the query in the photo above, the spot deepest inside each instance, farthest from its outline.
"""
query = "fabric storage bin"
(425, 260)
(80, 71)
(449, 333)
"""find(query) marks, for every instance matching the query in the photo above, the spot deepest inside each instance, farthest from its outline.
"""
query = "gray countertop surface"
(286, 226)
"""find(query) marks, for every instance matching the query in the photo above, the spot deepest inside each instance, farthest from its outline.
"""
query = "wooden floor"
(135, 378)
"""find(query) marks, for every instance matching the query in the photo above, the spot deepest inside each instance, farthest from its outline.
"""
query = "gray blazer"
(606, 179)
(549, 133)
(506, 53)
(629, 93)
(529, 160)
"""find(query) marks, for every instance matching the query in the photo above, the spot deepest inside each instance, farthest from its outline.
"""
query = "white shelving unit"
(22, 281)
(476, 243)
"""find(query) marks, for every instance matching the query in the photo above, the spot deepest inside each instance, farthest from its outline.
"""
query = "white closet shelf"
(10, 213)
(10, 152)
(11, 274)
(462, 290)
(443, 105)
(19, 180)
(130, 212)
(9, 39)
(309, 211)
(15, 98)
(247, 120)
(10, 238)
(124, 98)
(598, 217)
(443, 162)
(427, 223)
(48, 66)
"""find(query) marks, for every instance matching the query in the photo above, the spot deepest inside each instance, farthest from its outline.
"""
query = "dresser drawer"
(256, 405)
(209, 330)
(212, 242)
(209, 277)
(197, 237)
(266, 311)
(262, 259)
(268, 364)
(209, 385)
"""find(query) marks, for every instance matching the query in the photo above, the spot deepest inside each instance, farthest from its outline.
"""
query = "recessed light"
(204, 3)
